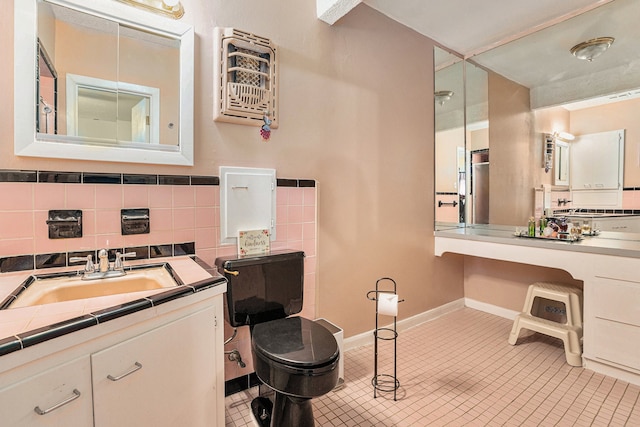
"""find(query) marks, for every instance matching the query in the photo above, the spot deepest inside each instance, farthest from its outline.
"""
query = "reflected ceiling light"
(171, 8)
(592, 48)
(443, 96)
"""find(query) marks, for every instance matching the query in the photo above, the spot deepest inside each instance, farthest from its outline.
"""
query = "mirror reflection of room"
(113, 83)
(549, 82)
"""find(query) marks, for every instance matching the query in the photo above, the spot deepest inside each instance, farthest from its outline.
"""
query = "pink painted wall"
(354, 116)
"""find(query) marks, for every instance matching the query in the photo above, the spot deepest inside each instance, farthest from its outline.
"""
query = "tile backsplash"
(184, 215)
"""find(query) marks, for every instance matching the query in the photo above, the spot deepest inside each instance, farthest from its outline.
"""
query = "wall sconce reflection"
(171, 8)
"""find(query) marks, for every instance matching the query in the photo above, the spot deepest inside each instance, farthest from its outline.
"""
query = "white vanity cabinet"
(61, 394)
(614, 322)
(165, 377)
(161, 366)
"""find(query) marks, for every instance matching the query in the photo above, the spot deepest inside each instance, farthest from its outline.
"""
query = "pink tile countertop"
(16, 321)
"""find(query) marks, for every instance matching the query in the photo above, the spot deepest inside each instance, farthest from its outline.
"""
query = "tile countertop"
(18, 325)
(605, 243)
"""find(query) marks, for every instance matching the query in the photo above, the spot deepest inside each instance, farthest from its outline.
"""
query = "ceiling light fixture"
(591, 49)
(171, 8)
(564, 136)
(443, 96)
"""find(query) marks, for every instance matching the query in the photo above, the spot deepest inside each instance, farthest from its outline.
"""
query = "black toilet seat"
(296, 343)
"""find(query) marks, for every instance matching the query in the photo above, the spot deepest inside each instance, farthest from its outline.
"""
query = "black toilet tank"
(263, 287)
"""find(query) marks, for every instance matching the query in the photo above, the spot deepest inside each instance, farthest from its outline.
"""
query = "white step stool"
(570, 332)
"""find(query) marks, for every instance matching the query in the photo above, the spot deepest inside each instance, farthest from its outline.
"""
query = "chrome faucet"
(103, 270)
(89, 267)
(118, 264)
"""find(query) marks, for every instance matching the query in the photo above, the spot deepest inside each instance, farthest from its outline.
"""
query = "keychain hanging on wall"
(265, 130)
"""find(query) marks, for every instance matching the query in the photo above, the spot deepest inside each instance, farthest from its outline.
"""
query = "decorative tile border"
(61, 259)
(241, 383)
(568, 211)
(124, 178)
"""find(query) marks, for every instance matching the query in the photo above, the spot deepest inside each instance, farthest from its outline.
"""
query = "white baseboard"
(366, 338)
(490, 308)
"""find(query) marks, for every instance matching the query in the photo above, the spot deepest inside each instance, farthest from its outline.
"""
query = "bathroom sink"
(43, 289)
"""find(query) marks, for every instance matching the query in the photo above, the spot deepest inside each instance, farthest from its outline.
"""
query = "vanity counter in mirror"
(607, 264)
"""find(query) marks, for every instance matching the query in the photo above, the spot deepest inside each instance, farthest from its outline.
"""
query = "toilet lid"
(295, 341)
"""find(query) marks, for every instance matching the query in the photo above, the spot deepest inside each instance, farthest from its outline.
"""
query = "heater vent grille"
(245, 77)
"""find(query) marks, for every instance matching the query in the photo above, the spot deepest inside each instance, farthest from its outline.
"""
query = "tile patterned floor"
(459, 370)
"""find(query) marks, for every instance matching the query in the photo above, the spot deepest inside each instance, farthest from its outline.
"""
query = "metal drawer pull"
(76, 394)
(137, 367)
(235, 273)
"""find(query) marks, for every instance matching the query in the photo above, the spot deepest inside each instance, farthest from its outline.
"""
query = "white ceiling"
(467, 26)
(529, 41)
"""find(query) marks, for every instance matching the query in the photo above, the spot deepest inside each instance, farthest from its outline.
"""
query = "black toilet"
(294, 356)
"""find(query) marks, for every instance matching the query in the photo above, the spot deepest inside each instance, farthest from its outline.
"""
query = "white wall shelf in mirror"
(132, 52)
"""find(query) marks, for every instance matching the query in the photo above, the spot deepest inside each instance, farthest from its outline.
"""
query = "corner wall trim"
(366, 338)
(491, 309)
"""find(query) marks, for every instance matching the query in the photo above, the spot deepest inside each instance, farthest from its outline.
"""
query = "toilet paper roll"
(388, 304)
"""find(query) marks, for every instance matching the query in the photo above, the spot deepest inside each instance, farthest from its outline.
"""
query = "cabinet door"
(596, 161)
(165, 377)
(60, 396)
(615, 325)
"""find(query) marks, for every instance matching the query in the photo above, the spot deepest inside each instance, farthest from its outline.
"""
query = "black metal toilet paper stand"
(384, 382)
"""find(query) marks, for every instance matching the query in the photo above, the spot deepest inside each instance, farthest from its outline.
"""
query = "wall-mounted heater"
(245, 79)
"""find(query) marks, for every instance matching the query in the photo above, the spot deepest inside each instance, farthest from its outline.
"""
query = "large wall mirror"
(450, 179)
(536, 87)
(461, 141)
(101, 80)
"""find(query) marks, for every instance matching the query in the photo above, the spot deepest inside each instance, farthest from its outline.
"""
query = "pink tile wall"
(295, 229)
(178, 213)
(631, 199)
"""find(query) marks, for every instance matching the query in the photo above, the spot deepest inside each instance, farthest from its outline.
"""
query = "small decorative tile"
(287, 182)
(174, 180)
(188, 248)
(18, 176)
(170, 295)
(60, 177)
(16, 263)
(142, 252)
(9, 345)
(158, 251)
(51, 260)
(139, 179)
(102, 178)
(55, 330)
(121, 310)
(205, 180)
(306, 183)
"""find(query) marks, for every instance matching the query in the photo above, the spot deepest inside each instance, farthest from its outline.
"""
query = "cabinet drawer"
(64, 392)
(615, 343)
(617, 300)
